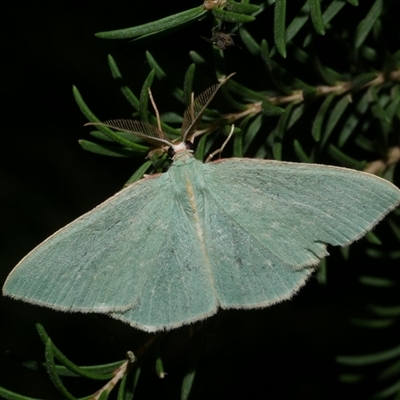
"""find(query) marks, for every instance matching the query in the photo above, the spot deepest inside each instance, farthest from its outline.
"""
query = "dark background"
(284, 352)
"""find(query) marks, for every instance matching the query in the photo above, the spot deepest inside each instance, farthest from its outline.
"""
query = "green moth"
(173, 248)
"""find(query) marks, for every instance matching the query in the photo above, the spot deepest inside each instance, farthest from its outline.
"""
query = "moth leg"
(223, 145)
(153, 103)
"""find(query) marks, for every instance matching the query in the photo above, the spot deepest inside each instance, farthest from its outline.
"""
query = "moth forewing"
(194, 112)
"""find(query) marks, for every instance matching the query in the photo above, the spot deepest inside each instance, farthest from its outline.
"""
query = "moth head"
(181, 150)
(154, 135)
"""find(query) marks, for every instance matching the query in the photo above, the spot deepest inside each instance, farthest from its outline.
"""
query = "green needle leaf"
(107, 131)
(197, 58)
(388, 311)
(171, 21)
(238, 138)
(272, 67)
(376, 281)
(144, 97)
(345, 159)
(334, 117)
(270, 110)
(279, 26)
(353, 121)
(298, 22)
(372, 323)
(105, 150)
(252, 131)
(372, 238)
(127, 136)
(126, 91)
(188, 84)
(332, 10)
(369, 359)
(281, 129)
(51, 369)
(241, 8)
(187, 384)
(365, 26)
(377, 108)
(301, 154)
(392, 370)
(362, 79)
(232, 17)
(154, 65)
(139, 172)
(6, 394)
(316, 16)
(319, 119)
(53, 351)
(252, 46)
(389, 391)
